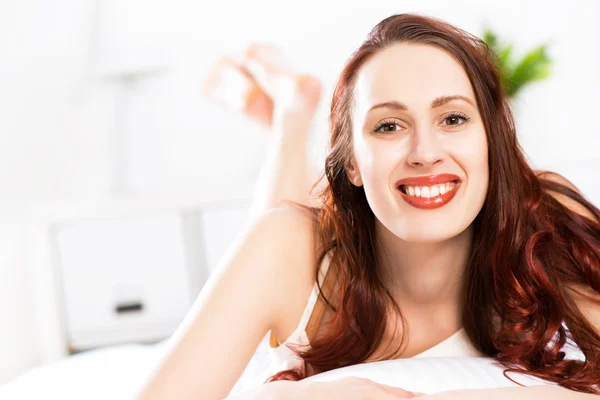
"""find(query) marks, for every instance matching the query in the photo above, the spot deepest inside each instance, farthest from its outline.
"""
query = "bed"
(117, 372)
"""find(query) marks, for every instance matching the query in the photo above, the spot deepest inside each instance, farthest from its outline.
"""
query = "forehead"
(414, 74)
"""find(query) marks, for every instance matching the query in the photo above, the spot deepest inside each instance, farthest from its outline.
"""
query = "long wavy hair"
(526, 244)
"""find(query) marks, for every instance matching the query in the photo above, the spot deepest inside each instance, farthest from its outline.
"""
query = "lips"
(428, 180)
(437, 201)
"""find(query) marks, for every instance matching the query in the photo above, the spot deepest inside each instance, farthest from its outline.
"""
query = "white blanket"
(118, 372)
(110, 373)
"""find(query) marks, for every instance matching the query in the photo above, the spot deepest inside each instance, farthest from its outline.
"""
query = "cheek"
(475, 162)
(377, 161)
(470, 148)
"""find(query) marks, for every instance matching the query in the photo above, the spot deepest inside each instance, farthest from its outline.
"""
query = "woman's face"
(420, 148)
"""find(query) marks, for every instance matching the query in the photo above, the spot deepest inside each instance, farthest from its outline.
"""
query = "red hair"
(526, 244)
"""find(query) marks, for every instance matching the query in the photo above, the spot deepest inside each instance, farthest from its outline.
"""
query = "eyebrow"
(438, 102)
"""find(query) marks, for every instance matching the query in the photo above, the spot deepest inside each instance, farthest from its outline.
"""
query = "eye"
(454, 119)
(386, 125)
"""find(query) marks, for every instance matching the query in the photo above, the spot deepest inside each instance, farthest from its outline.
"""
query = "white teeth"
(429, 191)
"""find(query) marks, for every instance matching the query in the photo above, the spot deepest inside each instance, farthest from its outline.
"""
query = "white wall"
(83, 78)
(187, 129)
(54, 142)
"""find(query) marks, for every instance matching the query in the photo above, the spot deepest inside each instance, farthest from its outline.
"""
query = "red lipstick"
(429, 180)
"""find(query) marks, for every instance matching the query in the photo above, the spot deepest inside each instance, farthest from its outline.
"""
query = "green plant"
(534, 66)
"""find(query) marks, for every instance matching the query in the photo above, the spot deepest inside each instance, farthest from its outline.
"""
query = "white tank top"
(269, 360)
(282, 357)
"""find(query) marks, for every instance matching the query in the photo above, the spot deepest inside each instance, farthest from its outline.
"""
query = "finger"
(400, 393)
(396, 392)
(412, 395)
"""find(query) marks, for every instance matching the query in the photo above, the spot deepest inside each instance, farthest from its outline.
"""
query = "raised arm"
(241, 302)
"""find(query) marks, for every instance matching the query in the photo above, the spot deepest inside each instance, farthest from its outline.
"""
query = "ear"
(353, 173)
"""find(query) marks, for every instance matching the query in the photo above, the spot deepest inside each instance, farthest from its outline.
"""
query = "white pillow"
(432, 375)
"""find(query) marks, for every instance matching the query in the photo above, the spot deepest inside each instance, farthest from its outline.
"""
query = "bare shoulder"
(568, 202)
(262, 276)
(292, 236)
(588, 302)
(285, 217)
(586, 298)
(296, 237)
(287, 237)
(290, 232)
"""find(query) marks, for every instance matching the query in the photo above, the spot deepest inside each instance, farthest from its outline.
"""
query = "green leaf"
(534, 66)
(490, 38)
(504, 56)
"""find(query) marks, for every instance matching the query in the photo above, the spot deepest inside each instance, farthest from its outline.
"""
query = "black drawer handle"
(124, 308)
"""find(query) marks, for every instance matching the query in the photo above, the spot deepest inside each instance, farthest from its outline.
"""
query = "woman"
(431, 225)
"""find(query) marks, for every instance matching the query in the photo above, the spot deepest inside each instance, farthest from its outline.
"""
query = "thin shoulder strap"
(313, 310)
(327, 287)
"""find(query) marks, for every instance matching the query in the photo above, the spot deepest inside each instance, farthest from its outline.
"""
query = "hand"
(351, 388)
(546, 392)
(261, 84)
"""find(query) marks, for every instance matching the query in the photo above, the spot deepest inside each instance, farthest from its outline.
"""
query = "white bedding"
(109, 373)
(117, 373)
(433, 375)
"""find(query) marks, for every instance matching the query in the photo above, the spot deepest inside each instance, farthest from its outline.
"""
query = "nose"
(426, 150)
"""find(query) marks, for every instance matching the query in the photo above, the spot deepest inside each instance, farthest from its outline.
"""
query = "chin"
(423, 234)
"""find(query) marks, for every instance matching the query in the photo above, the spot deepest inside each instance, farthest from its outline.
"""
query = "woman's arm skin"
(565, 200)
(587, 299)
(268, 266)
(260, 85)
(341, 389)
(289, 390)
(287, 173)
(513, 393)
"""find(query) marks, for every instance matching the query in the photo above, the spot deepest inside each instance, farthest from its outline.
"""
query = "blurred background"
(122, 186)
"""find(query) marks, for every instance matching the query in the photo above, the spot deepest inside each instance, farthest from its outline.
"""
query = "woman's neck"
(425, 277)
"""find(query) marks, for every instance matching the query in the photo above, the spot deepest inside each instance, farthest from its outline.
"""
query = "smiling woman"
(432, 211)
(434, 236)
(425, 142)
